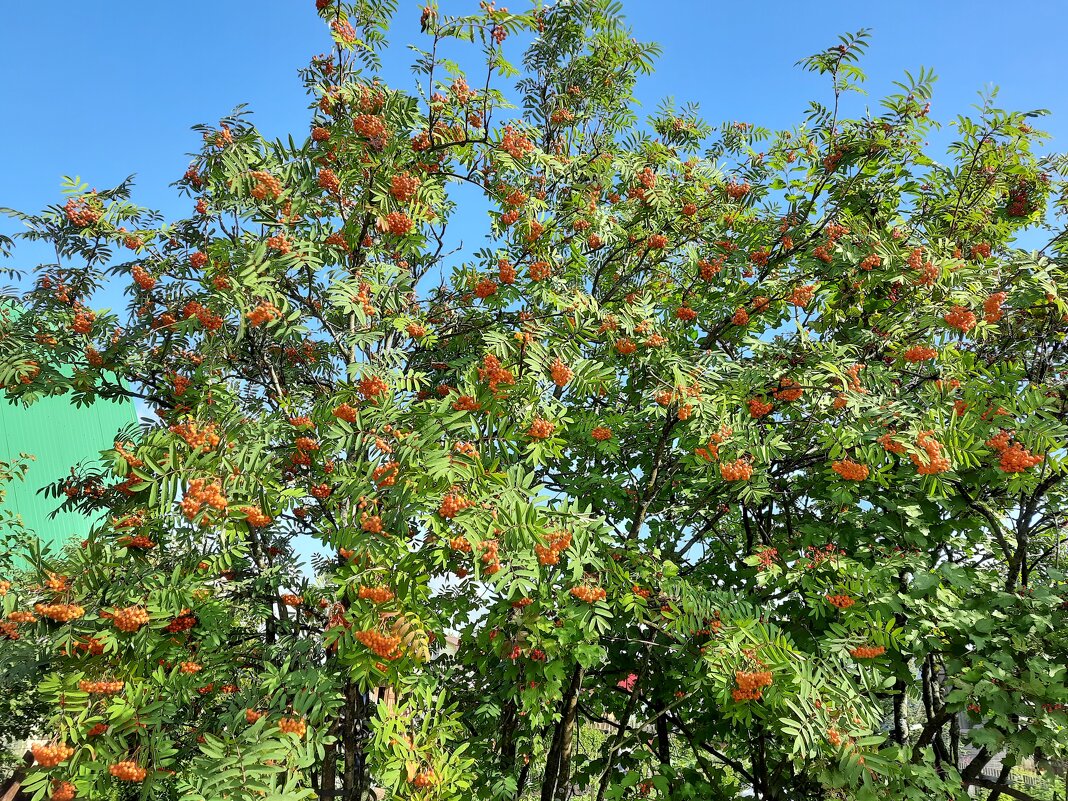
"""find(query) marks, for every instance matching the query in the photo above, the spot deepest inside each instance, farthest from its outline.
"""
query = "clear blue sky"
(104, 89)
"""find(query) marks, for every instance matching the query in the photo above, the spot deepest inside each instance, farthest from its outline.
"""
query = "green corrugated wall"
(59, 435)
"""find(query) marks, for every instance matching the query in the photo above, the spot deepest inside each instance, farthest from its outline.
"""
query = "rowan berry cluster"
(202, 492)
(935, 462)
(265, 185)
(140, 542)
(961, 318)
(61, 613)
(738, 470)
(372, 386)
(867, 651)
(541, 429)
(750, 685)
(130, 618)
(100, 687)
(398, 223)
(601, 433)
(387, 646)
(589, 594)
(540, 270)
(377, 595)
(920, 353)
(185, 621)
(992, 311)
(48, 756)
(62, 791)
(292, 726)
(850, 470)
(556, 544)
(484, 288)
(788, 390)
(264, 312)
(560, 372)
(255, 516)
(290, 599)
(759, 408)
(128, 771)
(840, 601)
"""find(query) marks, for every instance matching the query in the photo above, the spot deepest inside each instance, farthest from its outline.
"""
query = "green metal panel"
(59, 435)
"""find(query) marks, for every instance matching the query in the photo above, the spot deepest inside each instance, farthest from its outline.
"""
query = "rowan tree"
(745, 444)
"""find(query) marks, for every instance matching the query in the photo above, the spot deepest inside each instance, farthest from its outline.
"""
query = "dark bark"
(557, 765)
(353, 735)
(663, 739)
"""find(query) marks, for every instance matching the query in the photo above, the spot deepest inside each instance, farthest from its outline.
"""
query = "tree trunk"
(353, 734)
(558, 760)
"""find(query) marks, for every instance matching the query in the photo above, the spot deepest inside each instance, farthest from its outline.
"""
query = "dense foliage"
(747, 446)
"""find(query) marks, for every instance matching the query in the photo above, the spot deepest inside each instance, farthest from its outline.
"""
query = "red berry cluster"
(867, 651)
(840, 601)
(850, 470)
(378, 595)
(100, 687)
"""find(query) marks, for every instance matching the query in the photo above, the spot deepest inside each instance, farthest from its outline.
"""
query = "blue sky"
(105, 89)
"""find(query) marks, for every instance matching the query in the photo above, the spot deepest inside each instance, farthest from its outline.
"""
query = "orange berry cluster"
(738, 470)
(788, 390)
(625, 346)
(484, 288)
(48, 756)
(185, 621)
(378, 595)
(549, 554)
(385, 475)
(190, 668)
(255, 516)
(489, 557)
(371, 386)
(992, 311)
(20, 616)
(201, 492)
(56, 583)
(289, 599)
(130, 619)
(541, 429)
(345, 412)
(493, 373)
(140, 541)
(890, 444)
(759, 408)
(834, 738)
(251, 715)
(265, 186)
(62, 791)
(601, 433)
(292, 726)
(750, 685)
(1016, 459)
(935, 463)
(850, 470)
(371, 523)
(840, 601)
(263, 313)
(403, 187)
(100, 687)
(460, 544)
(61, 613)
(961, 318)
(920, 353)
(867, 651)
(128, 771)
(452, 504)
(589, 594)
(561, 373)
(386, 646)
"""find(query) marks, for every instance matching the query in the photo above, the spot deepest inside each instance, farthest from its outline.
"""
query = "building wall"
(59, 436)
